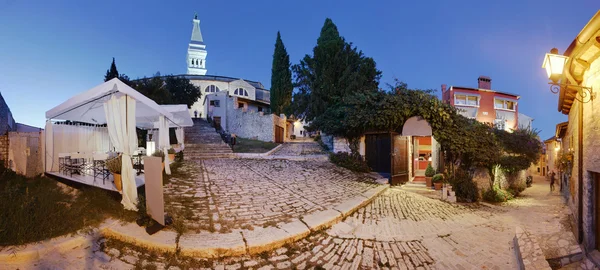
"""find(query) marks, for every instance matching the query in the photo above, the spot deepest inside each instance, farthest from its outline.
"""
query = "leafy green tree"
(112, 72)
(281, 79)
(334, 72)
(168, 89)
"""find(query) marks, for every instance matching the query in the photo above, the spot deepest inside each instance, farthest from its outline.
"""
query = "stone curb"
(294, 158)
(35, 251)
(241, 242)
(258, 155)
(528, 252)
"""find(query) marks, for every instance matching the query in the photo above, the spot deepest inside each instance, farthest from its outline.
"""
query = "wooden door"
(377, 152)
(399, 160)
(279, 134)
(32, 156)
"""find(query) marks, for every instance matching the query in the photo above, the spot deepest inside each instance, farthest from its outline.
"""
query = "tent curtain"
(49, 152)
(163, 141)
(120, 120)
(70, 138)
(179, 135)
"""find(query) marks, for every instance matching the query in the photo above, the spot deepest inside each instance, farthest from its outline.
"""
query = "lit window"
(466, 100)
(472, 100)
(212, 89)
(504, 104)
(460, 100)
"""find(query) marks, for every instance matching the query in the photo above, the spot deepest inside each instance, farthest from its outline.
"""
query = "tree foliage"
(112, 72)
(281, 79)
(168, 89)
(335, 71)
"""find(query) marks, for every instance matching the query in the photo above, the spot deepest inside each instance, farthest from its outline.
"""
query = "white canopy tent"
(122, 109)
(181, 119)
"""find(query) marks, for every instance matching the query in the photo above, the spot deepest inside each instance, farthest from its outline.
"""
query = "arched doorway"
(423, 147)
(402, 157)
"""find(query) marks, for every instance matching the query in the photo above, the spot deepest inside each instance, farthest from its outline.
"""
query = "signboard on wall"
(155, 202)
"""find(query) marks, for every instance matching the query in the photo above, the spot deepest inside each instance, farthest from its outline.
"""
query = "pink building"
(484, 104)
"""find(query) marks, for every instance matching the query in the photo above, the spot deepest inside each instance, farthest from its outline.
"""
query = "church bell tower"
(196, 55)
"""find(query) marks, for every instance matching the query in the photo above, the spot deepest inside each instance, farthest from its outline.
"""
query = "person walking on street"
(552, 180)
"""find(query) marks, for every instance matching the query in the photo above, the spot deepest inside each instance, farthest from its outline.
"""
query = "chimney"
(443, 88)
(484, 82)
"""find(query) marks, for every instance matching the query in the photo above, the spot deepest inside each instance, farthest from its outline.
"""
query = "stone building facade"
(7, 124)
(582, 134)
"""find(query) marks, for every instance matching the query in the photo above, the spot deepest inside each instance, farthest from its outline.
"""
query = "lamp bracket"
(584, 94)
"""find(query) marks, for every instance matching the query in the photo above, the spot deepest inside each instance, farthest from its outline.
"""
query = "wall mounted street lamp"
(554, 64)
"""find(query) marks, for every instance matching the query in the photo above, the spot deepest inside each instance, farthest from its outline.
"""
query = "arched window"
(241, 92)
(212, 89)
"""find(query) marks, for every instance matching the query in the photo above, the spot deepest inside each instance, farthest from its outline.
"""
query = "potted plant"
(429, 172)
(171, 153)
(114, 166)
(160, 154)
(438, 180)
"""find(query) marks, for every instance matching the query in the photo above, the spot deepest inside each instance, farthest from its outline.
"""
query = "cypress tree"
(281, 79)
(334, 72)
(112, 72)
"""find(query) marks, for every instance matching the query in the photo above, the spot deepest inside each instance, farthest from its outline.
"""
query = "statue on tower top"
(195, 15)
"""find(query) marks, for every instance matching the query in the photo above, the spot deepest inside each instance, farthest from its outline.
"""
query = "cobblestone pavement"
(224, 194)
(398, 230)
(545, 215)
(300, 148)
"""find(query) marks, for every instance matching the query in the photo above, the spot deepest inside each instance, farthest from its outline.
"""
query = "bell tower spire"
(196, 55)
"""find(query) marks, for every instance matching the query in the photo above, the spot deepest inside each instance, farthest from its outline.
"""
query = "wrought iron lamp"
(554, 64)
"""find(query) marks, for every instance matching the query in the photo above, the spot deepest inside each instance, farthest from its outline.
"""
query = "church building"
(239, 106)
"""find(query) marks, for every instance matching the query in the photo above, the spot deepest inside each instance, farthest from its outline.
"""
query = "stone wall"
(591, 153)
(482, 178)
(4, 150)
(253, 125)
(25, 153)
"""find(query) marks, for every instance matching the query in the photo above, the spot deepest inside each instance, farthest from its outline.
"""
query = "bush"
(497, 195)
(114, 164)
(318, 138)
(159, 154)
(293, 137)
(516, 189)
(171, 151)
(438, 178)
(529, 181)
(347, 161)
(464, 186)
(429, 172)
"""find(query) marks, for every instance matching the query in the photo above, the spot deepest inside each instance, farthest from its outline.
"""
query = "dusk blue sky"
(52, 50)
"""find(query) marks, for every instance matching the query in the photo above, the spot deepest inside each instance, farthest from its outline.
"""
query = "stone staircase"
(203, 142)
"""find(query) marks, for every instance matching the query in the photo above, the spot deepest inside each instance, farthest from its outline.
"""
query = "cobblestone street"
(398, 230)
(304, 146)
(224, 194)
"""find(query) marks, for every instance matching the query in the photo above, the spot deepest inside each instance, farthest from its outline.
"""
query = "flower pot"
(117, 180)
(428, 182)
(438, 186)
(172, 157)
